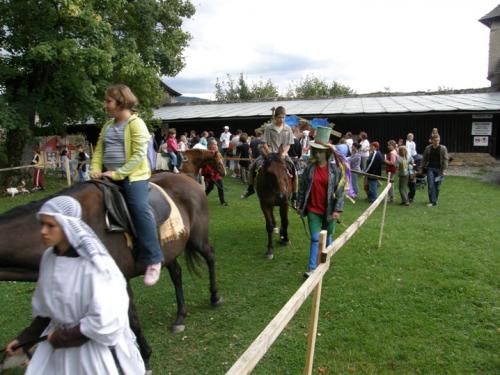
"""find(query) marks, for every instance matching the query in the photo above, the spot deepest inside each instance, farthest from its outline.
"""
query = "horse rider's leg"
(135, 325)
(295, 179)
(176, 275)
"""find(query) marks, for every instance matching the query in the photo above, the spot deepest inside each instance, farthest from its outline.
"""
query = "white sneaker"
(152, 274)
(308, 273)
(176, 170)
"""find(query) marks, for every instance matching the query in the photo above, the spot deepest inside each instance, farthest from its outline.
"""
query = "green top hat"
(321, 138)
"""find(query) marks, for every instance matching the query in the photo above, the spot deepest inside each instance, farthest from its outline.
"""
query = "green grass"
(427, 302)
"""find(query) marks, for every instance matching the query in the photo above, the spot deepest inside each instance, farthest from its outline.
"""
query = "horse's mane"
(32, 207)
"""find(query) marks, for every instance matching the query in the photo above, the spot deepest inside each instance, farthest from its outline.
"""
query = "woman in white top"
(411, 147)
(80, 302)
(364, 150)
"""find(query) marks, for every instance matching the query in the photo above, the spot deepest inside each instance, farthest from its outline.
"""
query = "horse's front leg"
(175, 272)
(284, 224)
(268, 214)
(135, 325)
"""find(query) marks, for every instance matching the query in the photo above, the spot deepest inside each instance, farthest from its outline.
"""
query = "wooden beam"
(349, 232)
(374, 176)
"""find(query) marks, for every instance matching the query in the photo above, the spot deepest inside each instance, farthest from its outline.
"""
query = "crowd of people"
(401, 158)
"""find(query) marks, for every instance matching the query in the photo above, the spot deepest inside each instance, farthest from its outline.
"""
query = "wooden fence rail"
(251, 357)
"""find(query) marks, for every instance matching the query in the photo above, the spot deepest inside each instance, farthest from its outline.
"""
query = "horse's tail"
(194, 259)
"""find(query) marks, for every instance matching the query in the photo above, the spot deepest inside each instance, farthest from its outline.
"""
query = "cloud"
(368, 45)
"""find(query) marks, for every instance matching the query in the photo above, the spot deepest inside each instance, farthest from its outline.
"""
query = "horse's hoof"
(269, 256)
(178, 328)
(286, 242)
(219, 302)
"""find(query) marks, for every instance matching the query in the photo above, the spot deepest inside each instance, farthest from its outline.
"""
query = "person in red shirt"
(212, 176)
(321, 192)
(390, 163)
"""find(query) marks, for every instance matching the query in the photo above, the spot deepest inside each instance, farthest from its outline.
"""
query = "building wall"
(494, 55)
(455, 130)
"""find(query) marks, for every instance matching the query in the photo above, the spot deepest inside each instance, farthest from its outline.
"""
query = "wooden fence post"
(313, 319)
(383, 212)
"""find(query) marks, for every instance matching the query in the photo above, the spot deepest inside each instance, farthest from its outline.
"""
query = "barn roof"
(488, 101)
(487, 19)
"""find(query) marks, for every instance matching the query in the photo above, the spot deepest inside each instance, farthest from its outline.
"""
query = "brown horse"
(21, 248)
(195, 159)
(274, 188)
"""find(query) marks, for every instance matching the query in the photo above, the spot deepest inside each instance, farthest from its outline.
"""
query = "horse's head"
(218, 163)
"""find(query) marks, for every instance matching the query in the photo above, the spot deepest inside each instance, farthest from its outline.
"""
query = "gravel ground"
(488, 173)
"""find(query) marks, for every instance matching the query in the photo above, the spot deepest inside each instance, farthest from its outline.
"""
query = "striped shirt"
(114, 146)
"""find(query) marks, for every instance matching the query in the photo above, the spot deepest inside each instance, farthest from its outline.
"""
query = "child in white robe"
(80, 301)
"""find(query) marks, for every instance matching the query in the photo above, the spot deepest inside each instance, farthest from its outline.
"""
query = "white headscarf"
(67, 211)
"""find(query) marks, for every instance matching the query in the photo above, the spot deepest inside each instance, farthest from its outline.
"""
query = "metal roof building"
(460, 118)
(335, 107)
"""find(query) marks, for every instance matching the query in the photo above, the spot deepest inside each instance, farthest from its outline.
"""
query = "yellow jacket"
(136, 166)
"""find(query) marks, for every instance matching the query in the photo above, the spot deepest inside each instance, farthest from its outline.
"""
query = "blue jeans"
(136, 195)
(316, 224)
(433, 185)
(173, 159)
(372, 190)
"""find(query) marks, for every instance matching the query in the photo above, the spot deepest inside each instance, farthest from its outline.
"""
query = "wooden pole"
(313, 319)
(68, 171)
(372, 176)
(383, 212)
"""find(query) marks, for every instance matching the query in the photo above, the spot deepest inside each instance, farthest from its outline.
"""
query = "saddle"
(117, 215)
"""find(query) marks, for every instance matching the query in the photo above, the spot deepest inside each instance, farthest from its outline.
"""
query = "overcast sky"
(369, 45)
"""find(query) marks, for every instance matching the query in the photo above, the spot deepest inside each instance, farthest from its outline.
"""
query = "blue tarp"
(292, 120)
(315, 122)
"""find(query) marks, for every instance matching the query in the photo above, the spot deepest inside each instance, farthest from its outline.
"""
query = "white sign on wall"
(481, 141)
(481, 128)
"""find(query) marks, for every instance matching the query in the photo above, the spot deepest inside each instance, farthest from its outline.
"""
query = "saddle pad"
(173, 228)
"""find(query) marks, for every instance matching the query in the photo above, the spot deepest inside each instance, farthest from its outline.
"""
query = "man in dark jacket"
(435, 162)
(374, 166)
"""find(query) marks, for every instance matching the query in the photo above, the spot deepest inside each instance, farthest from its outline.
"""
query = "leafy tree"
(57, 57)
(314, 87)
(226, 90)
(230, 90)
(243, 90)
(264, 90)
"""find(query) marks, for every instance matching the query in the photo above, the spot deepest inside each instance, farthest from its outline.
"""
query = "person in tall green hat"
(321, 192)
